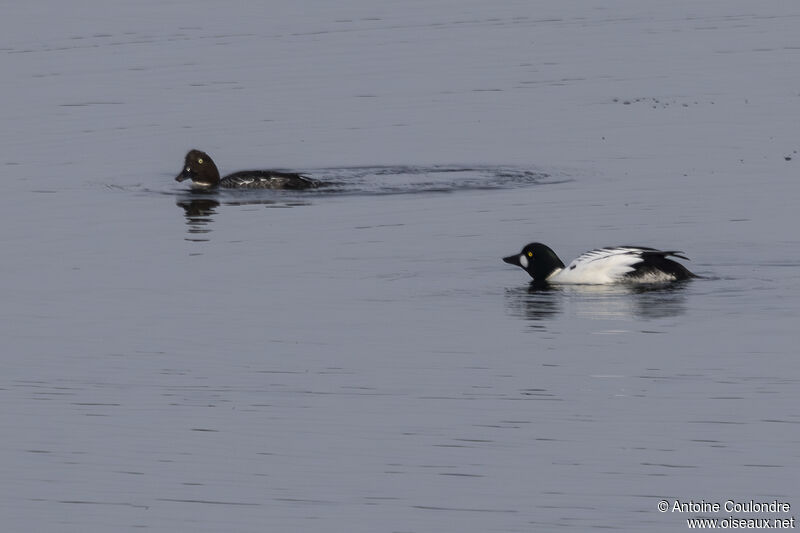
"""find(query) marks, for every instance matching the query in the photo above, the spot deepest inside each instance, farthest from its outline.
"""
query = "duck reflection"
(199, 212)
(201, 206)
(540, 302)
(535, 302)
(668, 300)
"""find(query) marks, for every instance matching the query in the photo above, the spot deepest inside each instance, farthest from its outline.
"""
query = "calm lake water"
(358, 358)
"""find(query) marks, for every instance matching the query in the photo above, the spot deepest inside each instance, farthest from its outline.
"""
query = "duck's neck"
(208, 175)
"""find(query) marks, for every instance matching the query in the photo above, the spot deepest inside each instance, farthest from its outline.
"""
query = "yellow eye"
(530, 254)
(200, 160)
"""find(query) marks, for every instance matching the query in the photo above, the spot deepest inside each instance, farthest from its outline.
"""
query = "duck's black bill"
(512, 260)
(185, 175)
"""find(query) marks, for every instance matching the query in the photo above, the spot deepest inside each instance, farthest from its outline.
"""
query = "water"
(358, 358)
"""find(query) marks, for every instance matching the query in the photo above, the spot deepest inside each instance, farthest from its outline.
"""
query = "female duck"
(200, 168)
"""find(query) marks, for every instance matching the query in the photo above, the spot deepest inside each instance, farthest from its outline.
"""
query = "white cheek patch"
(523, 261)
(188, 169)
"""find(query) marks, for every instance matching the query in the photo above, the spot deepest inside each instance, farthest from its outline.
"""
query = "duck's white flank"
(605, 265)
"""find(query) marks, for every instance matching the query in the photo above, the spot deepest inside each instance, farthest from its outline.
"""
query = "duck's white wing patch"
(604, 265)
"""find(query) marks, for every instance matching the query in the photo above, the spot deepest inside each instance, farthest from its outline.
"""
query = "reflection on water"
(662, 301)
(535, 302)
(539, 302)
(199, 213)
(200, 206)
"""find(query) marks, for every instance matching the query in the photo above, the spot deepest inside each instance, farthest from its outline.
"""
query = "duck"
(601, 266)
(200, 168)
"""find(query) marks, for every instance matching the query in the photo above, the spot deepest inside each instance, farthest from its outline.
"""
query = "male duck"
(617, 264)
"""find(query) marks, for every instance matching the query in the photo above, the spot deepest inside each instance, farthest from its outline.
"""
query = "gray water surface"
(358, 358)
